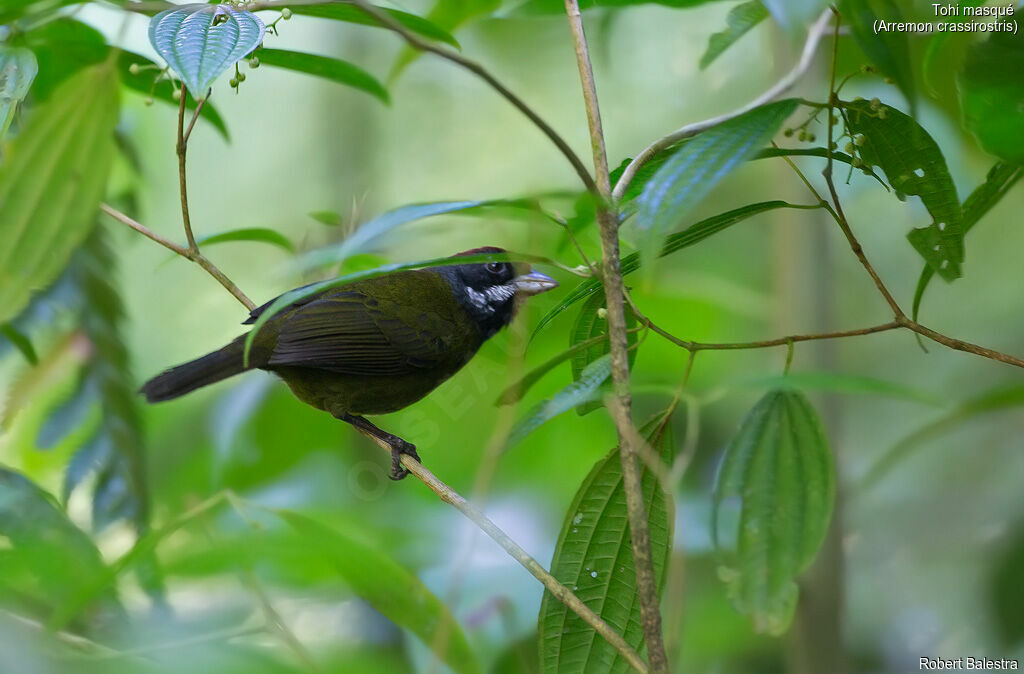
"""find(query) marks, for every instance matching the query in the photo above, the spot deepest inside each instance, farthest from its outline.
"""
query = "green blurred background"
(922, 548)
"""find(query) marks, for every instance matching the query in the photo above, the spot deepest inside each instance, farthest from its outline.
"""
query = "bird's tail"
(185, 378)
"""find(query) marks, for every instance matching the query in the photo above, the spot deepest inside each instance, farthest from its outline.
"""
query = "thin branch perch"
(619, 404)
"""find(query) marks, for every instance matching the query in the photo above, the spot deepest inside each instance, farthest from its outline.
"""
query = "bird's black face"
(489, 291)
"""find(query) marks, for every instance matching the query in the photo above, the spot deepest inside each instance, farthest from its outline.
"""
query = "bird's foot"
(398, 448)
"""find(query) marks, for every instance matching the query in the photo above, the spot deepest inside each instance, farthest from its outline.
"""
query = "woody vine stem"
(611, 276)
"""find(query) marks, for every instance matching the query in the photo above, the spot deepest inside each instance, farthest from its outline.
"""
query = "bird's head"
(490, 291)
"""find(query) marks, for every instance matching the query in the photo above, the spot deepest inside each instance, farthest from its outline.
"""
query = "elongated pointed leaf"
(51, 182)
(199, 42)
(594, 557)
(779, 471)
(390, 589)
(913, 164)
(992, 94)
(21, 342)
(331, 69)
(257, 234)
(1001, 178)
(630, 263)
(740, 20)
(18, 67)
(889, 51)
(698, 166)
(578, 392)
(352, 14)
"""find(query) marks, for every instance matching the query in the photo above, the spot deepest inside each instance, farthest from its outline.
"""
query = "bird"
(372, 346)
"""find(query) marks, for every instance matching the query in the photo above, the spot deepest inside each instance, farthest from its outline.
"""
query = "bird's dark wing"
(351, 333)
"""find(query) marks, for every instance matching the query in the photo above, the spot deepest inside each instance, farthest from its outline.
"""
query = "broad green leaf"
(258, 234)
(390, 589)
(889, 51)
(778, 471)
(142, 82)
(331, 69)
(589, 326)
(578, 392)
(700, 164)
(913, 164)
(352, 14)
(51, 182)
(695, 234)
(594, 557)
(992, 94)
(990, 401)
(18, 67)
(740, 20)
(199, 41)
(20, 341)
(1001, 178)
(835, 382)
(288, 298)
(46, 558)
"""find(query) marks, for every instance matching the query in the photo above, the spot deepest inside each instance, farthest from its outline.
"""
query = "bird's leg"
(396, 445)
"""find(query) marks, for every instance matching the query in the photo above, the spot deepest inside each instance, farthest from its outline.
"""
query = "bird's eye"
(495, 267)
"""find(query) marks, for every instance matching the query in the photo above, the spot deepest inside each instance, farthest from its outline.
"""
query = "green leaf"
(370, 231)
(590, 325)
(695, 234)
(21, 342)
(11, 10)
(199, 42)
(992, 94)
(740, 20)
(18, 67)
(352, 14)
(47, 558)
(594, 557)
(578, 392)
(889, 51)
(990, 401)
(51, 183)
(1001, 177)
(142, 82)
(331, 69)
(329, 218)
(258, 234)
(390, 589)
(778, 470)
(700, 164)
(913, 164)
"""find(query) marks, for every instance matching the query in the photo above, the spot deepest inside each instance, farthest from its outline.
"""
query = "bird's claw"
(398, 471)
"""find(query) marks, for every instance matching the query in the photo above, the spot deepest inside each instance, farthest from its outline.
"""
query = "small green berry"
(602, 313)
(148, 101)
(859, 140)
(134, 69)
(233, 82)
(176, 94)
(833, 145)
(788, 133)
(286, 13)
(849, 148)
(875, 104)
(802, 135)
(811, 138)
(881, 113)
(254, 62)
(857, 163)
(240, 77)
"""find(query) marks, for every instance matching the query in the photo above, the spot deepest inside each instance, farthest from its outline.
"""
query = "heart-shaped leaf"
(199, 42)
(18, 68)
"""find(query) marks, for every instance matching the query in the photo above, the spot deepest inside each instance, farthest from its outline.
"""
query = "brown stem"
(619, 403)
(182, 148)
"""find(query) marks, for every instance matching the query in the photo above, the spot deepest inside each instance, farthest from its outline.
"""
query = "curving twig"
(818, 30)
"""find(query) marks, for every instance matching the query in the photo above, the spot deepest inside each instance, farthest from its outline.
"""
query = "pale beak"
(534, 283)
